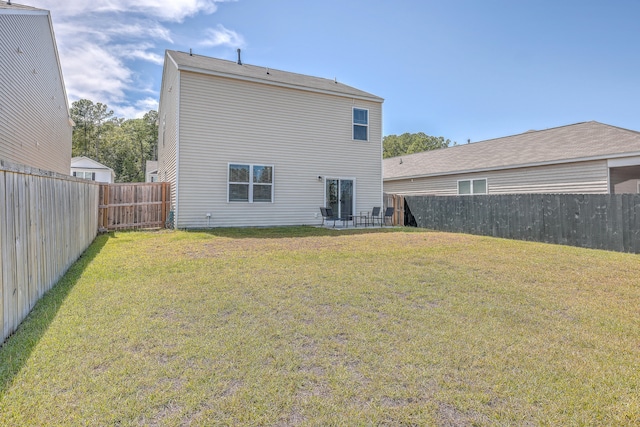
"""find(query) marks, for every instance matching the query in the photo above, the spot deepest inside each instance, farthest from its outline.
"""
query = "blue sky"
(462, 69)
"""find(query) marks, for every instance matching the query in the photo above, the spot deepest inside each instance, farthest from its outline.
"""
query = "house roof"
(231, 69)
(82, 162)
(577, 142)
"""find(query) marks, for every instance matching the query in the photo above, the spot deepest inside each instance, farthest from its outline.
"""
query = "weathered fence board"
(46, 221)
(133, 206)
(598, 221)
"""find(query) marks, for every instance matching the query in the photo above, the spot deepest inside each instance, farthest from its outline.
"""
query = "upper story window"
(472, 186)
(360, 124)
(250, 183)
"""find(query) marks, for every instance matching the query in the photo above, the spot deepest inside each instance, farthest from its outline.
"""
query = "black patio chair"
(388, 214)
(375, 216)
(327, 214)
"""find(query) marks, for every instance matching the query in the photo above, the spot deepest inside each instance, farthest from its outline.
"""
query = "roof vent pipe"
(239, 60)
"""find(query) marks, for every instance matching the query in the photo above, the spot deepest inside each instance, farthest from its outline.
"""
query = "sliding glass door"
(339, 196)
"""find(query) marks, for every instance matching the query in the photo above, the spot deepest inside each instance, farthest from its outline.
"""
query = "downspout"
(175, 208)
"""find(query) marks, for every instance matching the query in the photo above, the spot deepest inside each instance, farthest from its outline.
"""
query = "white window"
(85, 175)
(472, 186)
(360, 124)
(250, 183)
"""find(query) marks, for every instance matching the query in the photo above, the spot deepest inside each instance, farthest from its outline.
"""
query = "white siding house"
(35, 127)
(151, 171)
(86, 168)
(587, 157)
(244, 145)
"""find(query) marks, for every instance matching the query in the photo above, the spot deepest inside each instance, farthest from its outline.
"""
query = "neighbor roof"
(232, 69)
(87, 163)
(576, 142)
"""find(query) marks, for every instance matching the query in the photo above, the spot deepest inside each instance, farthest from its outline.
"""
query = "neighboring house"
(86, 168)
(35, 126)
(587, 157)
(151, 171)
(244, 145)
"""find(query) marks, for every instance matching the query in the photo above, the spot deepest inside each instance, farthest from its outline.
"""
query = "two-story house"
(35, 126)
(245, 145)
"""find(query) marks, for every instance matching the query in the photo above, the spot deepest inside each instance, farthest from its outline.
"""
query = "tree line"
(409, 143)
(124, 145)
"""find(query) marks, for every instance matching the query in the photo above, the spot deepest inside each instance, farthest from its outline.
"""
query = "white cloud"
(100, 41)
(221, 36)
(91, 71)
(138, 110)
(164, 10)
(140, 51)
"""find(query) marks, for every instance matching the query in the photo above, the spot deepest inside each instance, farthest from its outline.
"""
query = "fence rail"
(598, 221)
(46, 221)
(133, 206)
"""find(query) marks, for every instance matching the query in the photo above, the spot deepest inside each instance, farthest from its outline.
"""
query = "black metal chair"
(327, 214)
(388, 214)
(375, 215)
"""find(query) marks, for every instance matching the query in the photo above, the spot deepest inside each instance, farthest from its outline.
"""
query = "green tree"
(121, 144)
(143, 142)
(409, 143)
(89, 119)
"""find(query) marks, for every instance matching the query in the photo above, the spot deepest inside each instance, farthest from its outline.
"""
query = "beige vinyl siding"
(302, 134)
(34, 118)
(167, 136)
(583, 177)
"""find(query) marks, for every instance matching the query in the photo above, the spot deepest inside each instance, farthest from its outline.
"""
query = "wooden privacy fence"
(133, 206)
(46, 221)
(397, 202)
(598, 221)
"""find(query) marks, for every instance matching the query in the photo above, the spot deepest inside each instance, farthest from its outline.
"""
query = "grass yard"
(303, 326)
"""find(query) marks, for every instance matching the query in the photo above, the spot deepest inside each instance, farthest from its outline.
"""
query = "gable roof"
(231, 69)
(577, 142)
(83, 162)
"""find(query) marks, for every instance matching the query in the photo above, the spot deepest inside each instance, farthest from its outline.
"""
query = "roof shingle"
(232, 69)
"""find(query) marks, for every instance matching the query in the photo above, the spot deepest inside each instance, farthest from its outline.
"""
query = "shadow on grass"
(18, 347)
(293, 231)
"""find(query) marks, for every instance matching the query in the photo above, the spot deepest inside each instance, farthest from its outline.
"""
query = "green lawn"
(302, 326)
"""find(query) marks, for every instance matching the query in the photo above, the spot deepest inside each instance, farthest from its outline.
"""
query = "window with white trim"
(250, 183)
(360, 124)
(472, 186)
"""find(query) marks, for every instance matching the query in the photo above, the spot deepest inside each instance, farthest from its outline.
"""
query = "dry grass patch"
(302, 326)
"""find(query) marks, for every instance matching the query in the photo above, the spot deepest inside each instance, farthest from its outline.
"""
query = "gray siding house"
(587, 157)
(35, 127)
(245, 145)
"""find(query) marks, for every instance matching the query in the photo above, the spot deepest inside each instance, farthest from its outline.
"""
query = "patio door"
(339, 196)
